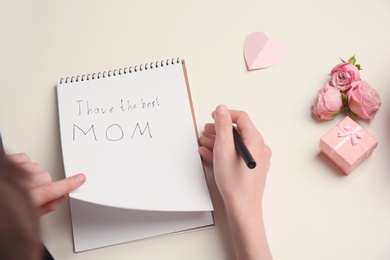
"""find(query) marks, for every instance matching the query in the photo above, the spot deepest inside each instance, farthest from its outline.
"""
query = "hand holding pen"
(241, 188)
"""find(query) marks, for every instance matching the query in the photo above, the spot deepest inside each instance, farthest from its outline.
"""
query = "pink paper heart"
(261, 52)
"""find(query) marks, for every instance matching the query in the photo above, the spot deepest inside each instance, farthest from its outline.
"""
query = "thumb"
(223, 126)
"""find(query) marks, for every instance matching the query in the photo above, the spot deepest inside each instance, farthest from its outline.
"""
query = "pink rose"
(328, 103)
(343, 75)
(363, 100)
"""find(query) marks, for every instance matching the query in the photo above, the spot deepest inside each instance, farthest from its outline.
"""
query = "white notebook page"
(133, 137)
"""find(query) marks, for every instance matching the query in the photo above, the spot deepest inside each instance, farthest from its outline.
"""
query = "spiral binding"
(121, 71)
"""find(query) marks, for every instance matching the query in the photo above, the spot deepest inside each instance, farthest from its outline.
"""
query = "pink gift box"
(347, 145)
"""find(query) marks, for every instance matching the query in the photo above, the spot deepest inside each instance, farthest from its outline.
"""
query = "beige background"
(311, 210)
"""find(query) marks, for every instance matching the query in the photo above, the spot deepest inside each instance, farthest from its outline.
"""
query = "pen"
(243, 150)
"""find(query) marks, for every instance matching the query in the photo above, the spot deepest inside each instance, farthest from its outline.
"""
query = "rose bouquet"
(346, 91)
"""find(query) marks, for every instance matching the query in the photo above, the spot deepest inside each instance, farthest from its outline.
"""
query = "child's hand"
(45, 194)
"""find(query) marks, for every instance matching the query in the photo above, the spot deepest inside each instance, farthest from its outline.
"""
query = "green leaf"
(352, 60)
(358, 66)
(336, 113)
(344, 98)
(342, 60)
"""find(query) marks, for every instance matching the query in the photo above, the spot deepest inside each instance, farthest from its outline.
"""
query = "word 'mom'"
(113, 132)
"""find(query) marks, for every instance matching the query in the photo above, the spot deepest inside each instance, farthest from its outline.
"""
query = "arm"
(241, 188)
(45, 194)
(19, 226)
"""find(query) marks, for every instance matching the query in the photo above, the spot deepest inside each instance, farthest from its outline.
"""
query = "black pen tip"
(251, 165)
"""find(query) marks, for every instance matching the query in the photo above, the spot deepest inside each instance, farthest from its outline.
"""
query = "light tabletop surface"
(311, 210)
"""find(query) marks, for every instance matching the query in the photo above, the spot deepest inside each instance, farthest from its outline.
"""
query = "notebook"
(132, 132)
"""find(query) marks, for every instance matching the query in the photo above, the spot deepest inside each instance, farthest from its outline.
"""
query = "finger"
(209, 129)
(268, 153)
(246, 127)
(223, 124)
(36, 176)
(55, 190)
(19, 158)
(31, 167)
(243, 121)
(38, 179)
(50, 206)
(207, 155)
(224, 144)
(207, 142)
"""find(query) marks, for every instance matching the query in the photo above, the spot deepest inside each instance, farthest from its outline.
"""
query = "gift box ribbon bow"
(354, 134)
(350, 133)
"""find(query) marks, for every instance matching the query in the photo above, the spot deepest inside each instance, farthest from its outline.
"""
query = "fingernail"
(221, 109)
(80, 178)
